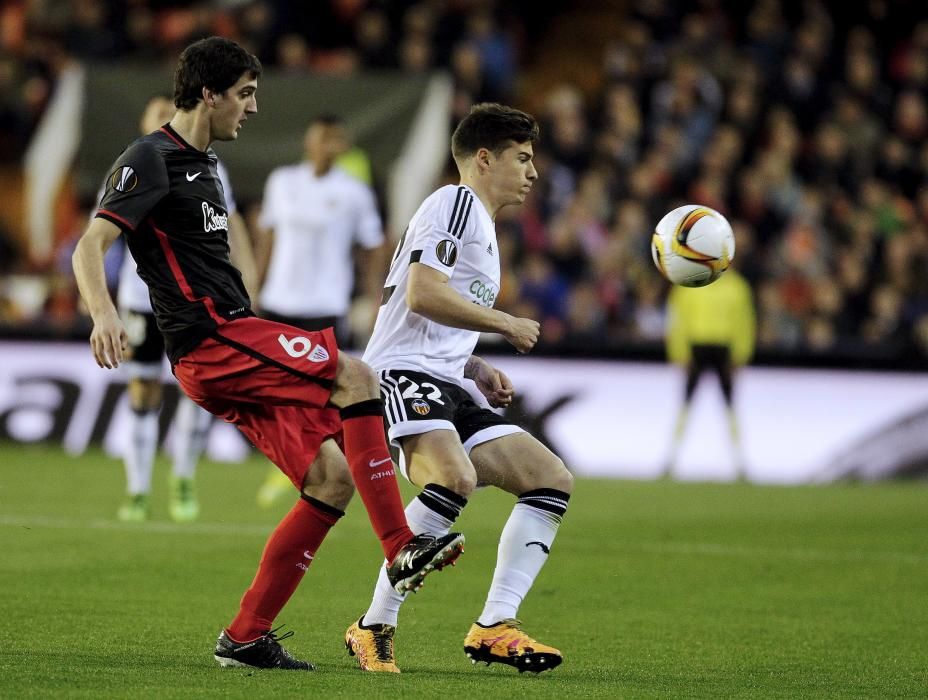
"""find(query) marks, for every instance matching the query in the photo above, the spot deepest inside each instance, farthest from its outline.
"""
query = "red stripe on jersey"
(179, 275)
(171, 136)
(109, 214)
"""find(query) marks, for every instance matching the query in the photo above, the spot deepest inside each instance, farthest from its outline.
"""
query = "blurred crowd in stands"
(804, 123)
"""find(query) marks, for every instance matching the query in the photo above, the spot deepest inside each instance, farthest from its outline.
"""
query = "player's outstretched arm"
(429, 294)
(108, 340)
(492, 383)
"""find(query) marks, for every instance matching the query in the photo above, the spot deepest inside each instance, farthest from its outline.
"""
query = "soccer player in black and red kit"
(289, 391)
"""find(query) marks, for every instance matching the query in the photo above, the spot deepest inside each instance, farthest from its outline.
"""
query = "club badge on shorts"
(421, 407)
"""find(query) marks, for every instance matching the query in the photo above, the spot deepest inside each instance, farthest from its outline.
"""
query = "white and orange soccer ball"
(693, 245)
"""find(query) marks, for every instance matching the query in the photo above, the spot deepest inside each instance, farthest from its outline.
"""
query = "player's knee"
(330, 483)
(355, 381)
(563, 479)
(332, 492)
(462, 482)
(463, 485)
(328, 478)
(144, 394)
(555, 475)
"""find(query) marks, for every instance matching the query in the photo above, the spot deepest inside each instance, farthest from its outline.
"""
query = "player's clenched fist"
(492, 383)
(522, 333)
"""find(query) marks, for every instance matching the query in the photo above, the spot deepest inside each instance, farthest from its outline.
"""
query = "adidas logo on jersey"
(490, 249)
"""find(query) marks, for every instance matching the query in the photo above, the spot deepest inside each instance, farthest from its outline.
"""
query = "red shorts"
(273, 382)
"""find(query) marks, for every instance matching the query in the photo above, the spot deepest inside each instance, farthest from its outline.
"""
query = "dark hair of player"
(327, 119)
(494, 127)
(215, 64)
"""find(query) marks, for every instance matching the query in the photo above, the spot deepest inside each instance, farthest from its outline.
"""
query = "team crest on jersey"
(421, 407)
(446, 252)
(124, 179)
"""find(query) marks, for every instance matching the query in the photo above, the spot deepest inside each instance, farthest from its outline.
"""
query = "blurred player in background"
(289, 391)
(710, 329)
(144, 367)
(317, 223)
(439, 297)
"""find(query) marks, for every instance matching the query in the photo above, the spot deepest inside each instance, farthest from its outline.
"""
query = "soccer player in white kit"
(317, 221)
(438, 298)
(144, 369)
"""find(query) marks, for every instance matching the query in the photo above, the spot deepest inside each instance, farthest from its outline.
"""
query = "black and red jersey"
(167, 198)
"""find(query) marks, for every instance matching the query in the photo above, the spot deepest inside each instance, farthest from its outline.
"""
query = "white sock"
(523, 550)
(140, 452)
(422, 518)
(191, 429)
(386, 602)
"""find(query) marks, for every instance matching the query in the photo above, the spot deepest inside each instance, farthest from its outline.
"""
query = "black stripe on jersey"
(251, 352)
(454, 211)
(386, 294)
(462, 220)
(415, 256)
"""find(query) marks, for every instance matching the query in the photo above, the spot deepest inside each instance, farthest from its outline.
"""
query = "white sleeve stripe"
(462, 220)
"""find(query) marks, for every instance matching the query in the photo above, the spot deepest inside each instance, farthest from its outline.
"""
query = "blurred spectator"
(543, 288)
(292, 53)
(496, 54)
(805, 123)
(88, 35)
(375, 44)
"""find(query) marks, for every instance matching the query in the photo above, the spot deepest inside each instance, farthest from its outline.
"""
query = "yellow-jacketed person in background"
(711, 328)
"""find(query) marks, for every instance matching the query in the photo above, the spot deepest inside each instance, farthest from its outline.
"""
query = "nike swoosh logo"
(372, 464)
(191, 178)
(544, 547)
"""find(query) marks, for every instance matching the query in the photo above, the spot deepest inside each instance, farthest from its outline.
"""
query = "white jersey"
(453, 233)
(133, 292)
(316, 220)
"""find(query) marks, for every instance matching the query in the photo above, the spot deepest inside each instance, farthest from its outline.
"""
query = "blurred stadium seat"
(805, 125)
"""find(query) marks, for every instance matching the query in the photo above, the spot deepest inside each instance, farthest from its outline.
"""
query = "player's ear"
(483, 158)
(209, 97)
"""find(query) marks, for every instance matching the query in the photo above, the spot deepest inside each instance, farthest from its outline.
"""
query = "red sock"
(373, 474)
(287, 555)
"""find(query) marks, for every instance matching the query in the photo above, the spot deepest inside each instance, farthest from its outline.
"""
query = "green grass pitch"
(653, 589)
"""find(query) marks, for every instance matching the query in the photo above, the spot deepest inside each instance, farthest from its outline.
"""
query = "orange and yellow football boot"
(506, 643)
(373, 645)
